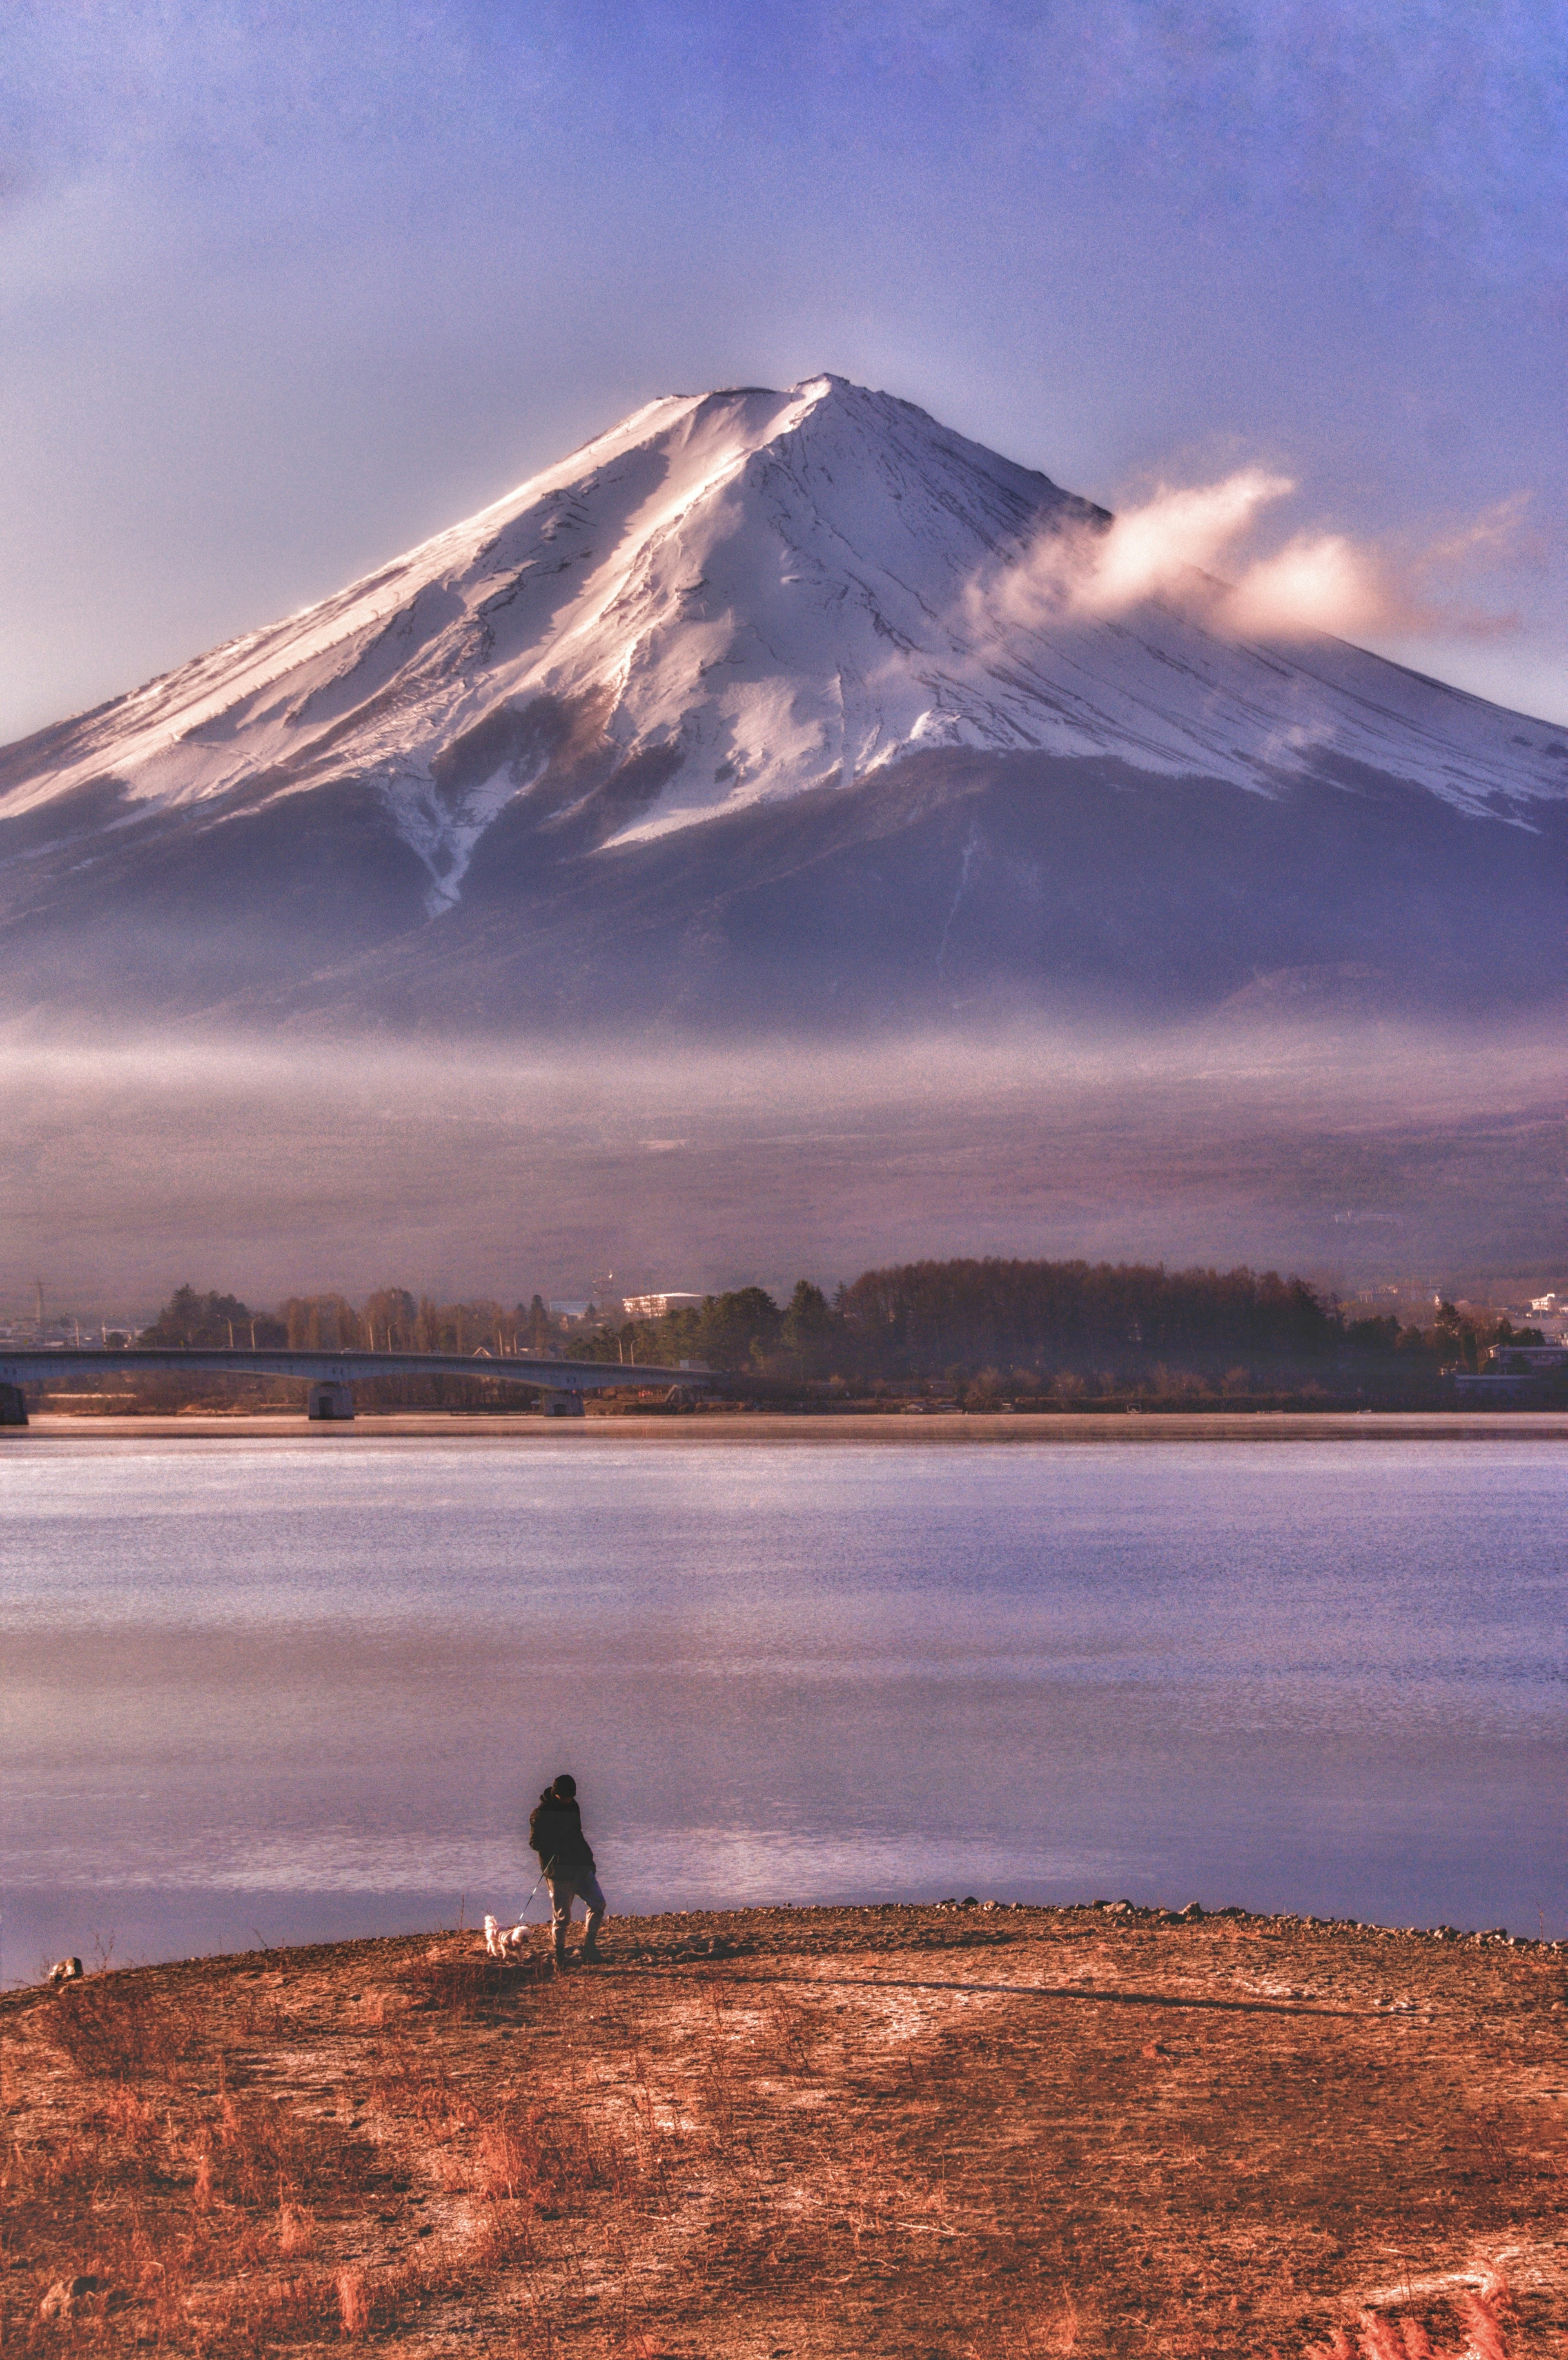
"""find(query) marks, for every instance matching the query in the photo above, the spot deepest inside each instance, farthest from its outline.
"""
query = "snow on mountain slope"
(738, 598)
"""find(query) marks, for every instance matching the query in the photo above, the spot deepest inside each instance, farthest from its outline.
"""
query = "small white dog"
(504, 1941)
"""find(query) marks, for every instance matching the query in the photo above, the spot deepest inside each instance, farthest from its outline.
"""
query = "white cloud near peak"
(1194, 547)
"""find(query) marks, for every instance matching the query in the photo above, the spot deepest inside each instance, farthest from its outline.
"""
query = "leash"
(538, 1881)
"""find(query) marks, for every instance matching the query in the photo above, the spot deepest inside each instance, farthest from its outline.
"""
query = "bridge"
(331, 1376)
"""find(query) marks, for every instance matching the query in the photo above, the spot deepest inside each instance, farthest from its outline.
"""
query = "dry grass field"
(780, 2133)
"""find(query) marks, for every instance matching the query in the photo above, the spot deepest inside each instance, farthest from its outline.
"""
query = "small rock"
(64, 2295)
(1194, 1909)
(65, 1971)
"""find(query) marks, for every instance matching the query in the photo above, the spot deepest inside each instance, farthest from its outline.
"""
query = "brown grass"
(354, 2311)
(907, 2133)
(1480, 2319)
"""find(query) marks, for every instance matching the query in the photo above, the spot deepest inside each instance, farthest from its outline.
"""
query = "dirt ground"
(775, 2134)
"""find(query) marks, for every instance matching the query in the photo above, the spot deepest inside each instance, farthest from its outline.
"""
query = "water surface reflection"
(258, 1689)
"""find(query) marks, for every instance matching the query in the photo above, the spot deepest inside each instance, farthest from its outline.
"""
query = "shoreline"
(675, 1930)
(752, 1426)
(912, 2131)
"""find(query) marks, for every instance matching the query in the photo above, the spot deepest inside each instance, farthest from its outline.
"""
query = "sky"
(287, 287)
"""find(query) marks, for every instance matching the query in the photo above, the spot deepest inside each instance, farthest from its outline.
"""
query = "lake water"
(268, 1690)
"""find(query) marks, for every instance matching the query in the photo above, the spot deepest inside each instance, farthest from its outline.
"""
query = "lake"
(268, 1690)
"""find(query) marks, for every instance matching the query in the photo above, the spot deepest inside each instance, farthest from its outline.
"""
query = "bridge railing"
(331, 1376)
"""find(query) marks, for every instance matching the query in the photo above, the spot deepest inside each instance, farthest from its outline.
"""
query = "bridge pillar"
(329, 1399)
(563, 1405)
(13, 1405)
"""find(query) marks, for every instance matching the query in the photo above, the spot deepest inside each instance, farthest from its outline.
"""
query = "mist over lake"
(276, 1690)
(1348, 1150)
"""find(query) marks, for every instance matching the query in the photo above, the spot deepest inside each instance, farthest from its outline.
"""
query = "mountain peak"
(731, 599)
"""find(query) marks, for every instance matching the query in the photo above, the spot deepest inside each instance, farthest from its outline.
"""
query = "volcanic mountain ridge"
(736, 716)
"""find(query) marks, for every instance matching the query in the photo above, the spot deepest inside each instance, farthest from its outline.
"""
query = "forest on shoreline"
(975, 1334)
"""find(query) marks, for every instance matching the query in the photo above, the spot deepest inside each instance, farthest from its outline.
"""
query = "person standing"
(555, 1833)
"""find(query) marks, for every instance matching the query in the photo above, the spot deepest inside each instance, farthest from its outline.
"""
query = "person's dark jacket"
(555, 1833)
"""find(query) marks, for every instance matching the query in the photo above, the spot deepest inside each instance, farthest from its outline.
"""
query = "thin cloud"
(1316, 582)
(1149, 552)
(1190, 547)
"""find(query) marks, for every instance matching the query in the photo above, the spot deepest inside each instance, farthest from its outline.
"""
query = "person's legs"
(593, 1902)
(560, 1892)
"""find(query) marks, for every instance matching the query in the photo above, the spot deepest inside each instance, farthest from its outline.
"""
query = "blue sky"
(288, 285)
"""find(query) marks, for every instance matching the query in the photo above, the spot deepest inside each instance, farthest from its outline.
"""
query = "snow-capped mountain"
(742, 684)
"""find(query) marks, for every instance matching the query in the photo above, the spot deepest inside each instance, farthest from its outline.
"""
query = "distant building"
(569, 1310)
(654, 1306)
(1547, 1313)
(1517, 1373)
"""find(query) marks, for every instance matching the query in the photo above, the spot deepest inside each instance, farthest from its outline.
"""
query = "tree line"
(1069, 1330)
(972, 1329)
(390, 1320)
